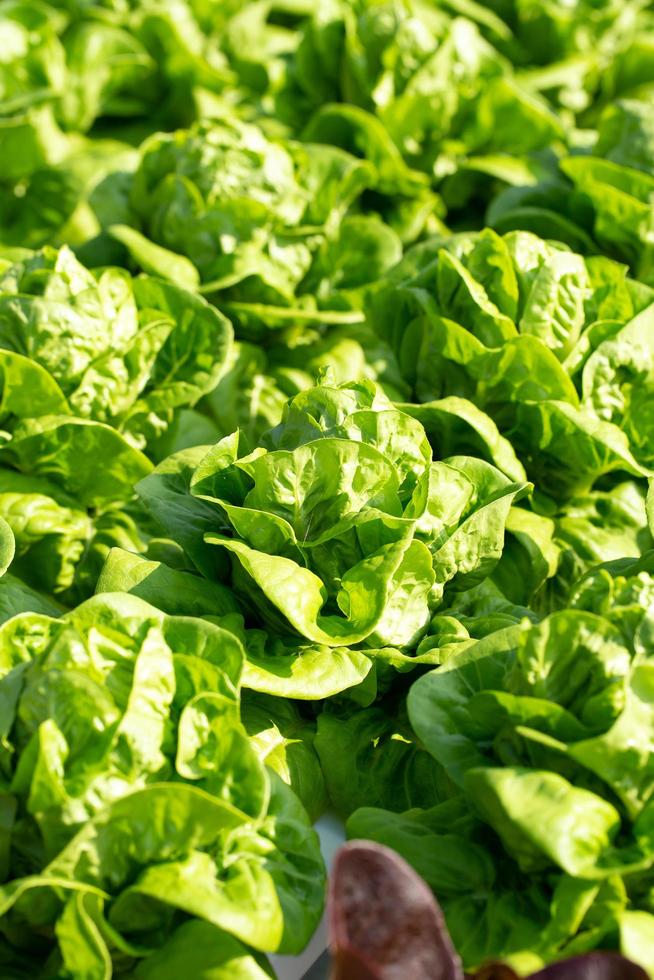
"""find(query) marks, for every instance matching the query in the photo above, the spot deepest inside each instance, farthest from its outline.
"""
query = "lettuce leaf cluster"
(542, 730)
(97, 372)
(340, 536)
(138, 818)
(326, 377)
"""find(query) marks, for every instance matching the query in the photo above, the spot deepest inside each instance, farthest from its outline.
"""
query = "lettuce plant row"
(326, 455)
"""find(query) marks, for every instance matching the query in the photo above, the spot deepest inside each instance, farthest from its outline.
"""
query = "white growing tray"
(311, 964)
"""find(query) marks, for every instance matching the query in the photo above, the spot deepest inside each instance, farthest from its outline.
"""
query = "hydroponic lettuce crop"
(327, 363)
(548, 343)
(596, 199)
(79, 83)
(139, 823)
(533, 824)
(478, 98)
(96, 373)
(271, 221)
(555, 348)
(541, 848)
(340, 536)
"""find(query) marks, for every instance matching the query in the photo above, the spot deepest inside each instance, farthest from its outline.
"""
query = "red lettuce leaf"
(384, 921)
